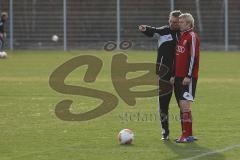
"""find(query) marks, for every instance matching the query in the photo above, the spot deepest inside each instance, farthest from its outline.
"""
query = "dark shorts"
(185, 92)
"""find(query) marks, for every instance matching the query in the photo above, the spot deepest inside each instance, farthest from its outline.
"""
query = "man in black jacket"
(167, 39)
(2, 31)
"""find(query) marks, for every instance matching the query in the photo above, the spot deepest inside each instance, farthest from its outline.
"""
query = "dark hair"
(3, 14)
(175, 13)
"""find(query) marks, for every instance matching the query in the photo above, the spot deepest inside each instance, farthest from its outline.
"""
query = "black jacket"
(167, 41)
(2, 22)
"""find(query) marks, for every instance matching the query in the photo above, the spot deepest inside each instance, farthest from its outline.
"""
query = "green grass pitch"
(30, 130)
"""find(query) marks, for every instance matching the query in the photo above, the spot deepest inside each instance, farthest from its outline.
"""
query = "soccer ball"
(3, 54)
(55, 38)
(125, 136)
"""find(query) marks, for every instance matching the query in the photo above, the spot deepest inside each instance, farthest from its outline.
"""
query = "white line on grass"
(213, 152)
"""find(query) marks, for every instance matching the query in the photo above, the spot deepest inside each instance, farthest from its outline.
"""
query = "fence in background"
(89, 24)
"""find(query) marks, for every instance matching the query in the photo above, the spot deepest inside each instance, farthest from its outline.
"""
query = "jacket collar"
(186, 31)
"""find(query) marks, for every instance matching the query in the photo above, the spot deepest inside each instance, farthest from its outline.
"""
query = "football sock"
(181, 118)
(187, 123)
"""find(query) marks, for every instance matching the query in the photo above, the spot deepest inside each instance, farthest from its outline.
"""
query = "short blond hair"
(189, 18)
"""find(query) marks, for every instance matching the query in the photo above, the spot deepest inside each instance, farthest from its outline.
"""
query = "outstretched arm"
(147, 30)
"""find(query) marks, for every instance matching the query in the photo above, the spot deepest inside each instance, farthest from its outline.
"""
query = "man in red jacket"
(186, 73)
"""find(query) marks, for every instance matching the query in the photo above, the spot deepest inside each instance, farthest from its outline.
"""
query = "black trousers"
(163, 103)
(1, 43)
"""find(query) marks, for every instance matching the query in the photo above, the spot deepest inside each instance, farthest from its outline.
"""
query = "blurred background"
(89, 24)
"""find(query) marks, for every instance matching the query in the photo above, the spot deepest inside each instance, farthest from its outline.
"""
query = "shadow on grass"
(192, 151)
